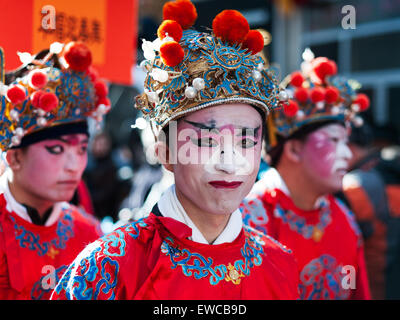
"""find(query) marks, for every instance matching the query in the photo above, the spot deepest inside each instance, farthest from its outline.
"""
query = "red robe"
(326, 242)
(152, 258)
(33, 257)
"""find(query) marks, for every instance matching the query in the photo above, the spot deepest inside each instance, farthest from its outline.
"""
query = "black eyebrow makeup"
(244, 131)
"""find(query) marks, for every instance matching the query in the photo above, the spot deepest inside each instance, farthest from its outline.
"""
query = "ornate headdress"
(56, 87)
(316, 94)
(189, 70)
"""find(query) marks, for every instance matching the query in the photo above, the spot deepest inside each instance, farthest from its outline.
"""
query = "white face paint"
(217, 158)
(326, 156)
(341, 156)
(229, 156)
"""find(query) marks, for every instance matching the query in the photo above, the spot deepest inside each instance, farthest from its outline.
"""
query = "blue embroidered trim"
(298, 223)
(39, 288)
(322, 278)
(199, 266)
(30, 240)
(253, 211)
(96, 262)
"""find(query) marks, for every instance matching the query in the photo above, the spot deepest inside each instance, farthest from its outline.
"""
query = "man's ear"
(292, 150)
(163, 155)
(14, 159)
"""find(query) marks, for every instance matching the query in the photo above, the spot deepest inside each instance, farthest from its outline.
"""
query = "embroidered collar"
(195, 264)
(299, 220)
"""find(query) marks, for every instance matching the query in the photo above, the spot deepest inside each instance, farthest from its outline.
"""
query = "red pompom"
(291, 108)
(48, 101)
(333, 67)
(301, 95)
(101, 88)
(35, 98)
(317, 94)
(254, 41)
(363, 101)
(16, 94)
(170, 27)
(37, 79)
(78, 56)
(323, 67)
(92, 73)
(331, 94)
(182, 11)
(231, 26)
(296, 79)
(171, 53)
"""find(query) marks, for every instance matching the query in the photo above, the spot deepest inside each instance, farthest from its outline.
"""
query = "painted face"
(325, 157)
(52, 169)
(218, 156)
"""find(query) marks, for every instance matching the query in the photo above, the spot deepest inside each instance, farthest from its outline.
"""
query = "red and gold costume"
(152, 258)
(52, 94)
(326, 241)
(157, 257)
(34, 257)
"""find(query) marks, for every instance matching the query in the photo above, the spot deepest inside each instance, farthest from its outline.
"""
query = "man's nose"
(230, 159)
(72, 161)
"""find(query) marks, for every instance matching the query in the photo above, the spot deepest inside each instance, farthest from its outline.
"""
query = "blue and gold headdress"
(316, 94)
(189, 70)
(56, 87)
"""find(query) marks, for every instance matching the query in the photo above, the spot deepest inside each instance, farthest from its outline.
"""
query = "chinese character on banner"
(108, 27)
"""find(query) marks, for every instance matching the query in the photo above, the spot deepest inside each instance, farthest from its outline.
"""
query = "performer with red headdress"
(309, 155)
(216, 92)
(44, 107)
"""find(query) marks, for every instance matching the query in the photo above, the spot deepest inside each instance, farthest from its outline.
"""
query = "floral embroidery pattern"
(94, 272)
(299, 225)
(322, 278)
(30, 240)
(42, 288)
(254, 212)
(194, 264)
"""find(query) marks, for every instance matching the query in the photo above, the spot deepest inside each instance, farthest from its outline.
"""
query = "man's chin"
(333, 188)
(65, 197)
(225, 208)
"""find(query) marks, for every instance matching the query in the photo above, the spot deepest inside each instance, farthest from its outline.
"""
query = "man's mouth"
(68, 182)
(225, 184)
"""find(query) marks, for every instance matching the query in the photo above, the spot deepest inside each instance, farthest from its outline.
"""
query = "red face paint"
(325, 156)
(53, 168)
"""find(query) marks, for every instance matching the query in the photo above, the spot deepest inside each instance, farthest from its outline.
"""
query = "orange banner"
(108, 27)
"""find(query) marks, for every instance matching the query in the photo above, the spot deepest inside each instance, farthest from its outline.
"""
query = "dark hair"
(54, 132)
(301, 134)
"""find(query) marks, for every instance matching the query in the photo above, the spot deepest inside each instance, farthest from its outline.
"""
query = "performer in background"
(45, 105)
(371, 189)
(215, 91)
(293, 201)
